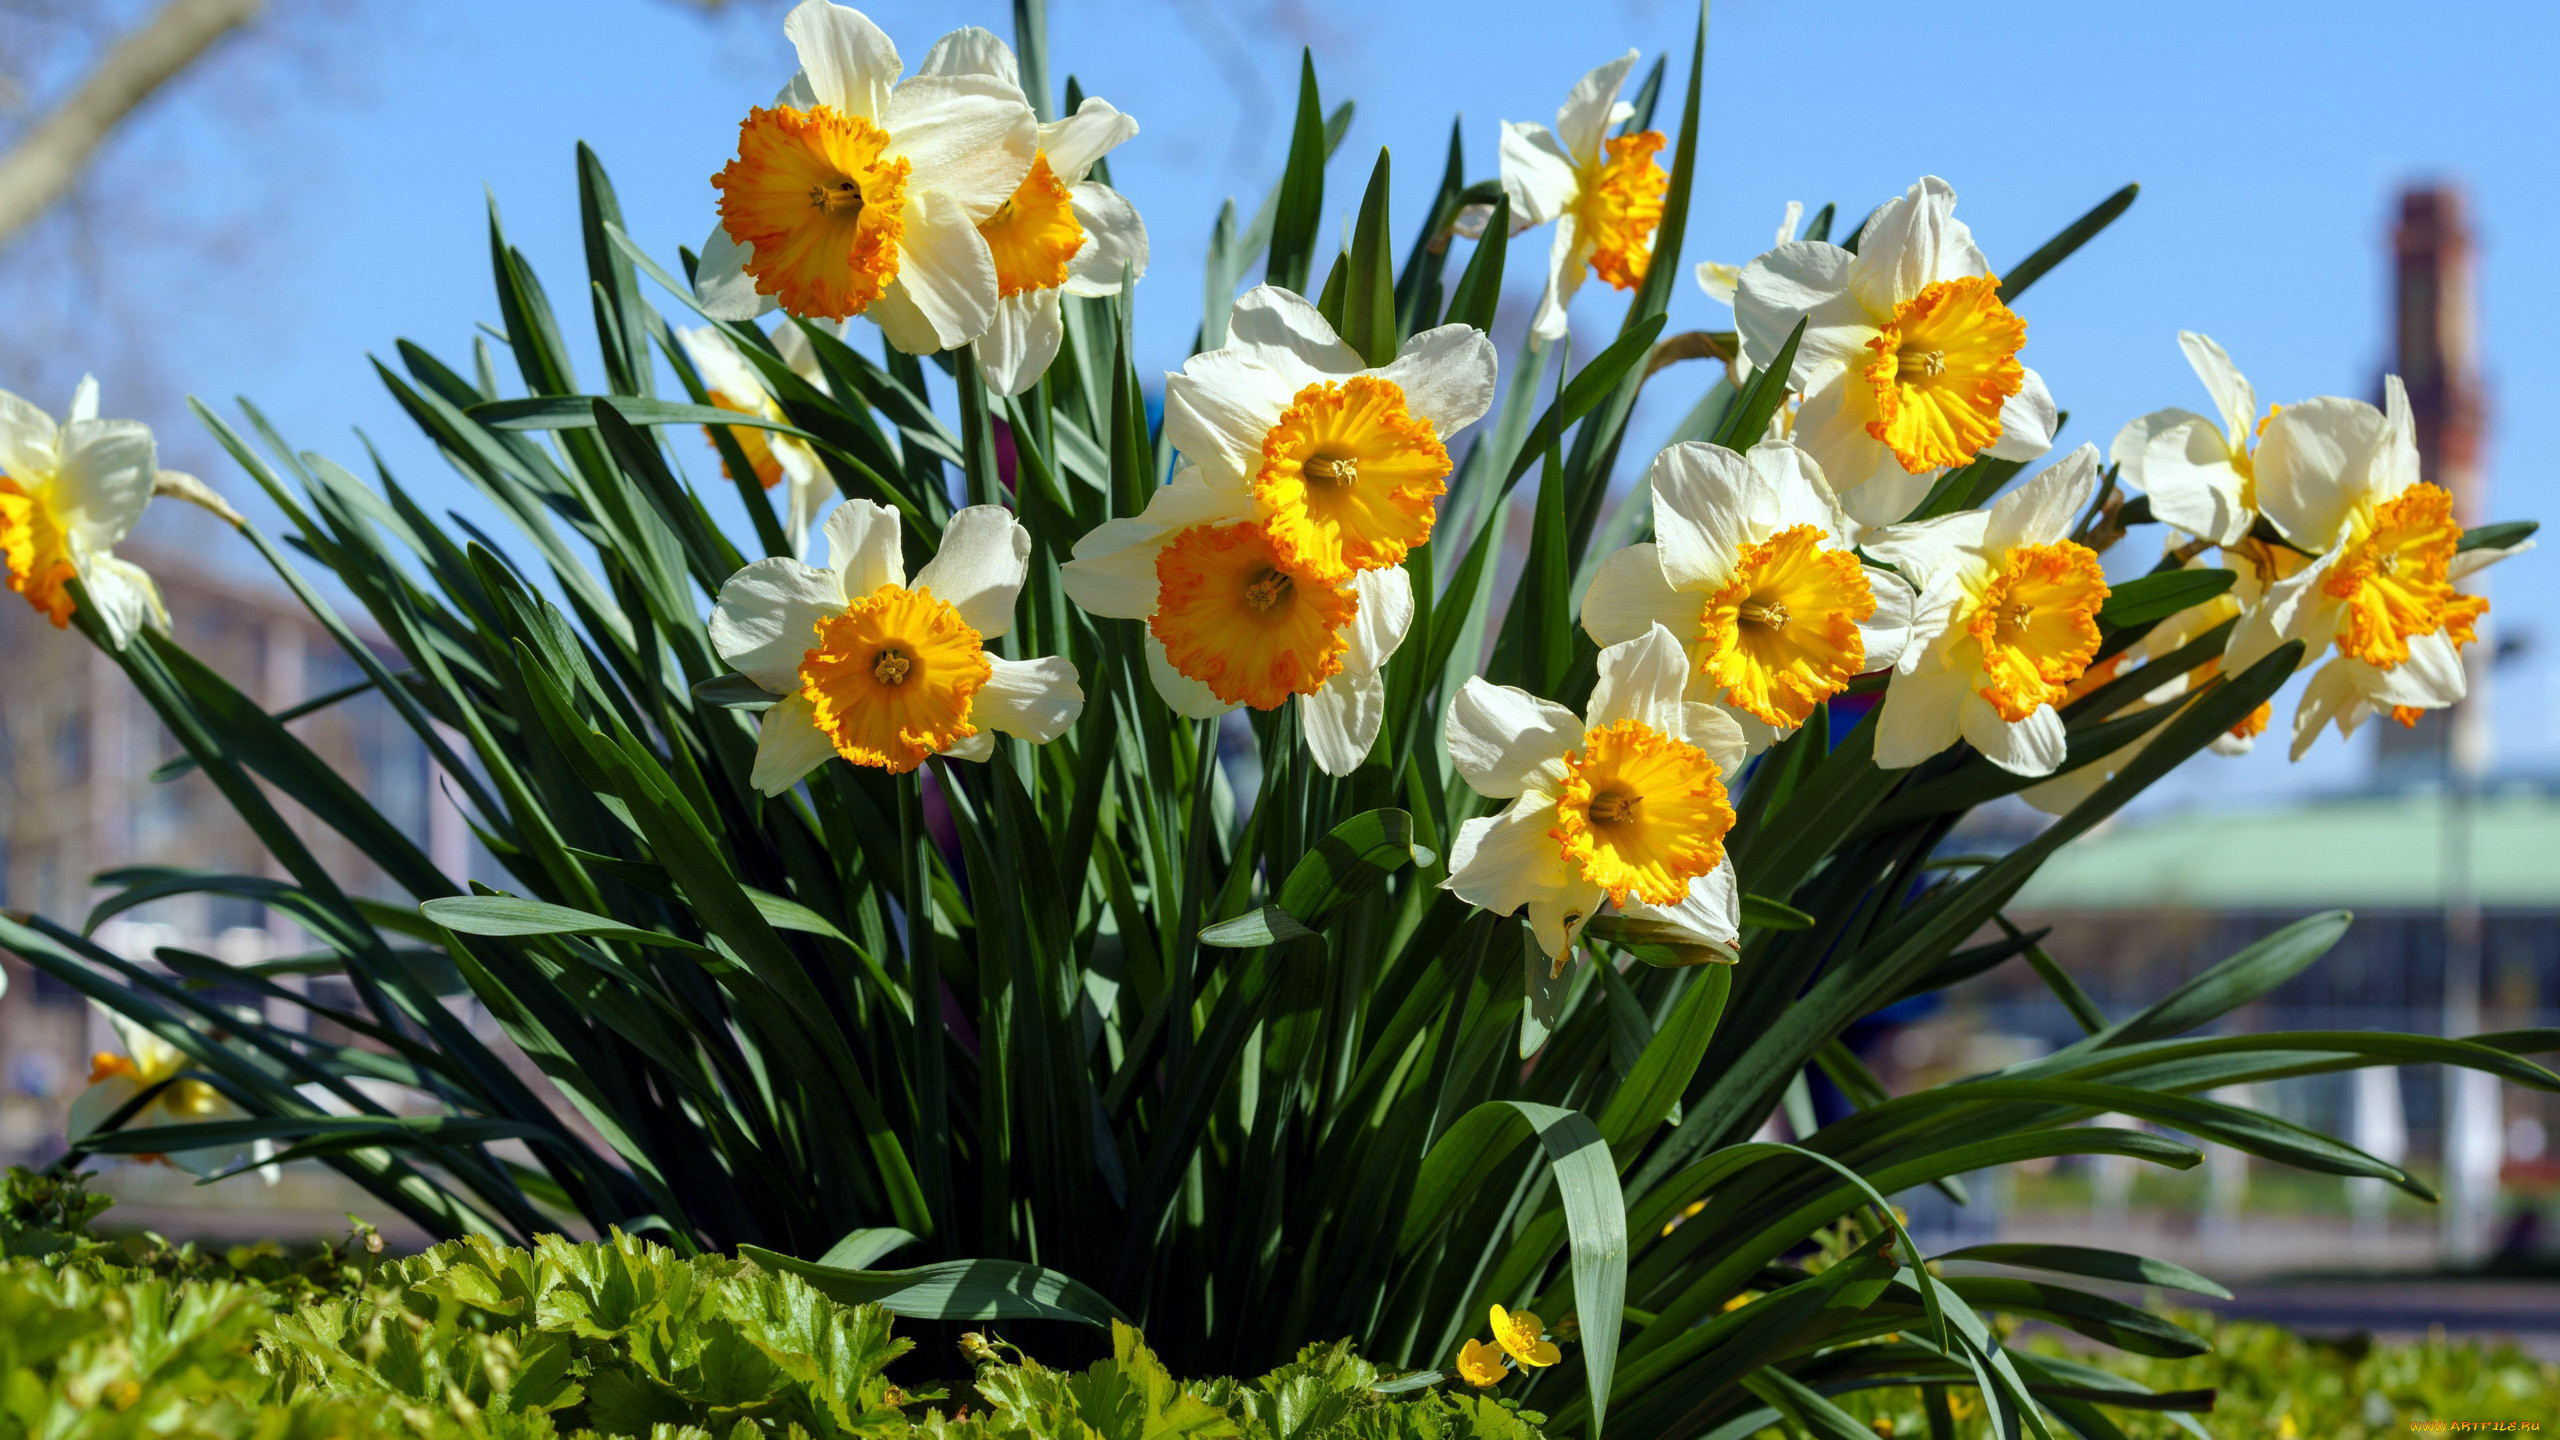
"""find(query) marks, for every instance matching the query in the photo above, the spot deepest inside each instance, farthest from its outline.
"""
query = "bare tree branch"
(42, 167)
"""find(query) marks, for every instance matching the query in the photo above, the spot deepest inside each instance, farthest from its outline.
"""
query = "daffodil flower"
(2338, 479)
(1522, 1335)
(1062, 233)
(1752, 568)
(2059, 795)
(856, 193)
(1626, 805)
(885, 671)
(2007, 620)
(69, 493)
(1604, 195)
(1719, 280)
(735, 385)
(1272, 566)
(148, 1061)
(2200, 474)
(1909, 362)
(1480, 1364)
(2344, 690)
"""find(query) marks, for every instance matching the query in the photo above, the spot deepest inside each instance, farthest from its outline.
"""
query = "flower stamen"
(1236, 616)
(1350, 478)
(1782, 635)
(1640, 813)
(1941, 371)
(2037, 626)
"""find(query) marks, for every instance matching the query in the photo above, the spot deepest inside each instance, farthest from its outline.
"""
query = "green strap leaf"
(1586, 1177)
(1269, 925)
(508, 915)
(954, 1289)
(2094, 1263)
(2500, 536)
(2058, 249)
(2149, 598)
(1347, 862)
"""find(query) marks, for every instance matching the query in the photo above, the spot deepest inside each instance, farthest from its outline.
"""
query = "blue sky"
(2270, 141)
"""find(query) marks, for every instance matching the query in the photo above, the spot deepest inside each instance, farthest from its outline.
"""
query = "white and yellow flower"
(1909, 362)
(1604, 194)
(1753, 569)
(734, 385)
(1272, 566)
(2058, 795)
(2007, 620)
(2344, 691)
(1626, 806)
(1232, 620)
(2201, 474)
(885, 671)
(70, 493)
(856, 193)
(115, 1080)
(1062, 233)
(2338, 479)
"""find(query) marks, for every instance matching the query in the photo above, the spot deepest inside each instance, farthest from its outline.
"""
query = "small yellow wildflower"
(1520, 1332)
(1480, 1363)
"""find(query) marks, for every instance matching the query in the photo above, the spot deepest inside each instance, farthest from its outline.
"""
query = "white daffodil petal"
(789, 746)
(2187, 472)
(1790, 490)
(723, 370)
(1341, 719)
(2027, 422)
(1718, 280)
(2430, 679)
(28, 437)
(850, 62)
(1017, 348)
(2033, 746)
(1115, 240)
(1446, 375)
(1190, 698)
(1537, 175)
(1911, 243)
(1582, 122)
(1114, 570)
(2224, 382)
(865, 548)
(1568, 261)
(1378, 627)
(1804, 280)
(1711, 910)
(1645, 680)
(1918, 718)
(125, 597)
(1218, 407)
(2330, 697)
(721, 285)
(2044, 509)
(1502, 862)
(1505, 741)
(91, 1107)
(980, 568)
(107, 469)
(2133, 442)
(1885, 633)
(973, 135)
(1629, 596)
(1284, 331)
(2313, 465)
(1713, 729)
(1924, 550)
(767, 620)
(979, 748)
(973, 50)
(1035, 699)
(945, 273)
(1702, 501)
(1074, 143)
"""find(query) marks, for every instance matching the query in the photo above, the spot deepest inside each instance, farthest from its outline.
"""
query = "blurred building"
(84, 788)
